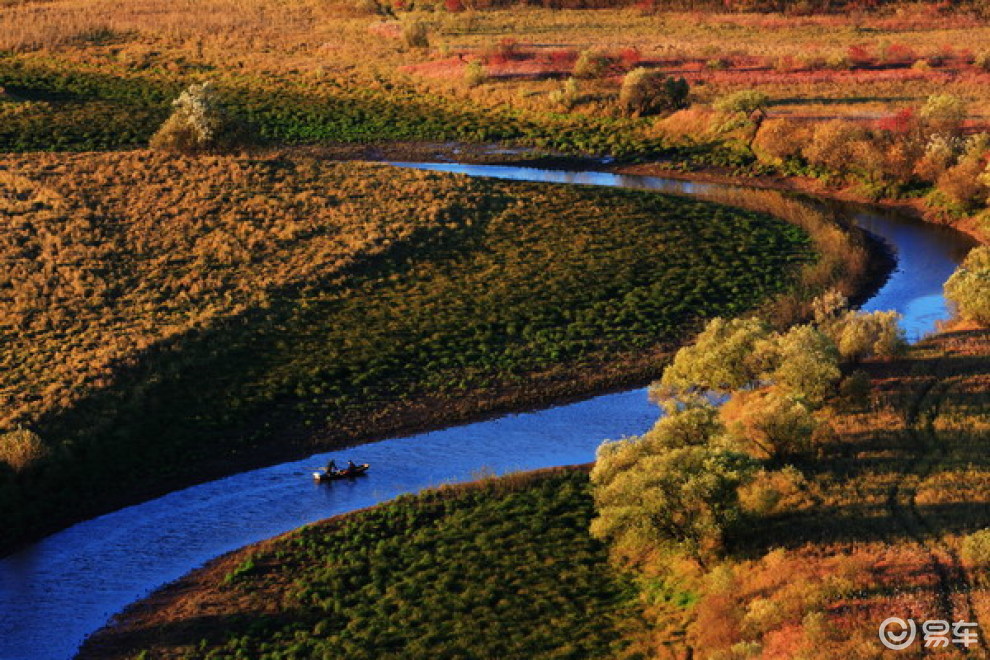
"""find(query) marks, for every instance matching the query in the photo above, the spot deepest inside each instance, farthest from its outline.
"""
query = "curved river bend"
(57, 591)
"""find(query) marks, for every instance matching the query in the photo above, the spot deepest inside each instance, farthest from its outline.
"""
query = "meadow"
(501, 568)
(167, 318)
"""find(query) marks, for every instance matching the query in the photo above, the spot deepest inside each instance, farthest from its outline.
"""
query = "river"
(66, 586)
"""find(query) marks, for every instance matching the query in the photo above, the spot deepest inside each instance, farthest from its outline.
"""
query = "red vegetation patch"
(449, 68)
(899, 123)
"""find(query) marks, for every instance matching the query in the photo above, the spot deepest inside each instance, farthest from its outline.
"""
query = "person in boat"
(350, 466)
(332, 467)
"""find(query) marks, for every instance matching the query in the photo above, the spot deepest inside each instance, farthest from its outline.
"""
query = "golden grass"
(107, 255)
(310, 38)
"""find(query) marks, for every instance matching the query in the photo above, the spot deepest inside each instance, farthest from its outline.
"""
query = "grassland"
(504, 568)
(315, 72)
(876, 529)
(322, 71)
(167, 319)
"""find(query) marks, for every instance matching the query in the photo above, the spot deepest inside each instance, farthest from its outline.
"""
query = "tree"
(744, 109)
(744, 102)
(686, 427)
(859, 335)
(963, 183)
(767, 424)
(198, 122)
(969, 287)
(804, 363)
(683, 499)
(943, 113)
(831, 144)
(590, 64)
(779, 140)
(723, 358)
(646, 92)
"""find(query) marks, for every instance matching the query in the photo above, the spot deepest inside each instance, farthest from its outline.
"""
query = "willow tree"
(722, 358)
(684, 499)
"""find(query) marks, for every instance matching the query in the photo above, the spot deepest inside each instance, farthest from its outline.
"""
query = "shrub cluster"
(646, 92)
(969, 287)
(677, 488)
(911, 149)
(502, 569)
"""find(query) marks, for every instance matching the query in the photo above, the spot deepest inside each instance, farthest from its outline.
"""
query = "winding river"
(57, 591)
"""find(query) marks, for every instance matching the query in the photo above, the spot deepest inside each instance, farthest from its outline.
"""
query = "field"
(877, 529)
(194, 315)
(172, 312)
(503, 568)
(318, 71)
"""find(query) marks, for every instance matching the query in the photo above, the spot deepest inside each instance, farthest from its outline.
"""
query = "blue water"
(57, 591)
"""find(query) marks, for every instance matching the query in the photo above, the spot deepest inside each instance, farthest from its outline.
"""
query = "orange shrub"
(780, 139)
(961, 184)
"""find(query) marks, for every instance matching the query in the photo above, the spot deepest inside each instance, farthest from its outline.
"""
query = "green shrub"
(646, 92)
(943, 113)
(804, 362)
(590, 64)
(861, 335)
(976, 549)
(855, 388)
(567, 96)
(964, 184)
(416, 34)
(475, 74)
(198, 123)
(746, 101)
(969, 287)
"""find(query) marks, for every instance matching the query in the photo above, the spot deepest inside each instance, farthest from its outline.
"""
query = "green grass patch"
(83, 107)
(504, 569)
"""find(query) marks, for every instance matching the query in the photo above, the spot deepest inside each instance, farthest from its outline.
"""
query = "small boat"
(346, 473)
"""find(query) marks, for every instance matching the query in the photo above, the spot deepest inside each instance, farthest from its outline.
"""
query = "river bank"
(563, 382)
(878, 528)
